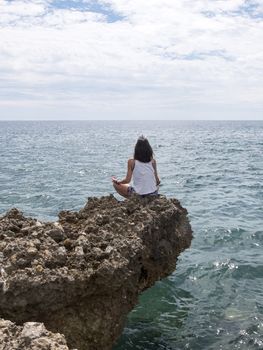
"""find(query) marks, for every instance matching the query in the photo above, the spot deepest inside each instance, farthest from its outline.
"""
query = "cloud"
(119, 55)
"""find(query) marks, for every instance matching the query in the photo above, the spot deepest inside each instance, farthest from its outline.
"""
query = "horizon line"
(129, 120)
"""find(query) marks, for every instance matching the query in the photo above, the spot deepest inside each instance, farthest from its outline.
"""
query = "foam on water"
(215, 298)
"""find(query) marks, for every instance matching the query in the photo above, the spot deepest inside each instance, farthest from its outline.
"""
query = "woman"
(142, 169)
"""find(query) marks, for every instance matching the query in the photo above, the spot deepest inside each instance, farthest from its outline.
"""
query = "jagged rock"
(30, 336)
(82, 275)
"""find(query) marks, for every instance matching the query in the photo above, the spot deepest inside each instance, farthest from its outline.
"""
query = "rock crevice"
(81, 275)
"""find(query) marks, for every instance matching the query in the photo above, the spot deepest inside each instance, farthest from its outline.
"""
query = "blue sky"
(129, 59)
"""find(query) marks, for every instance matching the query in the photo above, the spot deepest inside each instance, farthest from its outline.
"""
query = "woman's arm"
(128, 177)
(155, 172)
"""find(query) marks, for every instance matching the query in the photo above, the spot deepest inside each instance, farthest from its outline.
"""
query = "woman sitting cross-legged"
(142, 169)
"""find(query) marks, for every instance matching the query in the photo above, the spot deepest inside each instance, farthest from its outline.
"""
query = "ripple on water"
(214, 300)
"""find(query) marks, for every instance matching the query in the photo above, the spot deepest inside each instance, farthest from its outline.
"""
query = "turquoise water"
(214, 300)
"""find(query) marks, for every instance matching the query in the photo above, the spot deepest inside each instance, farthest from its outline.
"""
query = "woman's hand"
(114, 180)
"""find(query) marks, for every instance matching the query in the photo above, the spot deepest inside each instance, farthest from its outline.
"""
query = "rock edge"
(81, 275)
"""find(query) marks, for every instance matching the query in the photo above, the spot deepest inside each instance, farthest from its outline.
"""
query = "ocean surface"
(214, 300)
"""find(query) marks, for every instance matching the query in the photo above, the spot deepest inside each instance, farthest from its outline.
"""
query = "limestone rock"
(30, 336)
(81, 276)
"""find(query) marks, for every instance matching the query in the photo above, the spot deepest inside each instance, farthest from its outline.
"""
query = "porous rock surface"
(32, 336)
(81, 275)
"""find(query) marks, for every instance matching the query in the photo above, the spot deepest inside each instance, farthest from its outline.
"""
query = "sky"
(131, 59)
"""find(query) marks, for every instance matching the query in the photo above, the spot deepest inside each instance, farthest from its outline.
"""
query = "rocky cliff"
(81, 275)
(30, 336)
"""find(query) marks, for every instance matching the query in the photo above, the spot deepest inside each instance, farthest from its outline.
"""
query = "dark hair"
(143, 150)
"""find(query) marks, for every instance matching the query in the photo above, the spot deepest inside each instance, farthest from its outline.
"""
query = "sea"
(214, 299)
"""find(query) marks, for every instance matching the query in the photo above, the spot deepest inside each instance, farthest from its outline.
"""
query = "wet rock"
(81, 276)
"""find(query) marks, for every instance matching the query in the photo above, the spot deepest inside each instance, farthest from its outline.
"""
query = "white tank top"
(144, 180)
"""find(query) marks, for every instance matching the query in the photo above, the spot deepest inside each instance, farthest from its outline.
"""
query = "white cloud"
(162, 56)
(22, 8)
